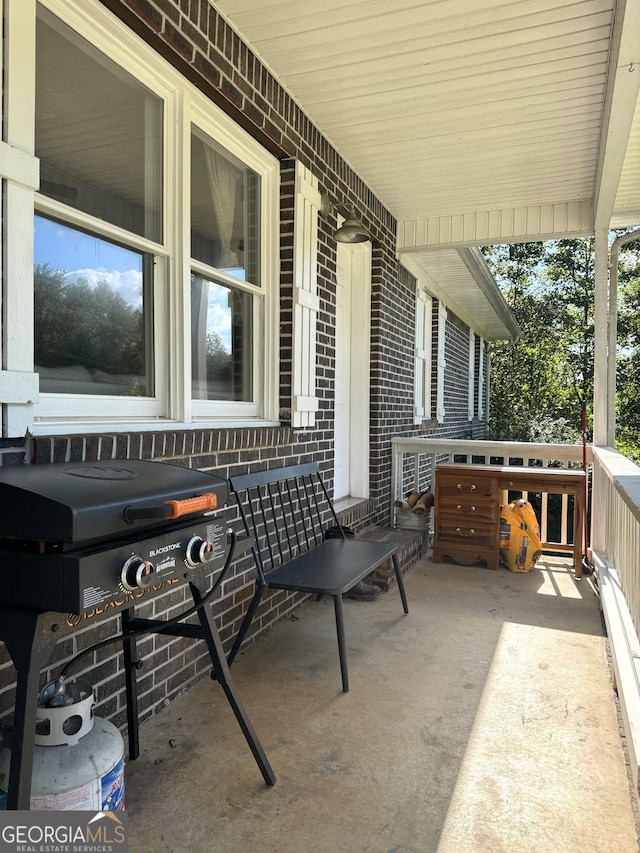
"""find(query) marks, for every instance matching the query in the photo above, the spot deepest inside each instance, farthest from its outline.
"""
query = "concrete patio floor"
(485, 720)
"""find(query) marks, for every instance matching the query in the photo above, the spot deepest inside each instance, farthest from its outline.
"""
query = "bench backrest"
(286, 510)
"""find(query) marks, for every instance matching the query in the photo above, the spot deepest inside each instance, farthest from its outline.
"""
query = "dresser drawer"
(451, 485)
(464, 532)
(469, 511)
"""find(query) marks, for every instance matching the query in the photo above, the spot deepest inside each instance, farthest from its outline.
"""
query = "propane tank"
(78, 759)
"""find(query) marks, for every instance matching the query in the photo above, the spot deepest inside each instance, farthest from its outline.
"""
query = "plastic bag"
(520, 545)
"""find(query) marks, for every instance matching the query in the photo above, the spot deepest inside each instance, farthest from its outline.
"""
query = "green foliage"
(80, 324)
(540, 383)
(218, 359)
(628, 366)
(533, 385)
(569, 269)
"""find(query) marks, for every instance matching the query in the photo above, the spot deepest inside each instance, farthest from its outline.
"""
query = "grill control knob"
(199, 551)
(137, 574)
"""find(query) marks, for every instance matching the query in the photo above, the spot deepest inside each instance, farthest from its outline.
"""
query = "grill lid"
(82, 501)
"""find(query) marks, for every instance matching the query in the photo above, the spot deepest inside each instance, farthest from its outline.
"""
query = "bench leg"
(342, 644)
(246, 622)
(400, 579)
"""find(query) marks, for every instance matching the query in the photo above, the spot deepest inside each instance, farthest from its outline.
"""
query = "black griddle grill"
(81, 542)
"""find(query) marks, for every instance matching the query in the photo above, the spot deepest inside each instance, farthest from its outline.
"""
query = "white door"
(351, 437)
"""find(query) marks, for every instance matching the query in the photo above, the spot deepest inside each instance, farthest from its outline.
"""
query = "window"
(98, 132)
(91, 325)
(136, 166)
(221, 341)
(225, 240)
(225, 210)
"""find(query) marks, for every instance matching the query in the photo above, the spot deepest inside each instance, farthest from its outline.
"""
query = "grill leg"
(221, 668)
(30, 638)
(131, 664)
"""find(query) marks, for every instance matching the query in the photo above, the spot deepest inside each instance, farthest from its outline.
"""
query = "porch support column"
(601, 415)
(600, 373)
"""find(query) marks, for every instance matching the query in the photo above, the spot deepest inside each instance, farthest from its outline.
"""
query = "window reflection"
(224, 210)
(92, 322)
(98, 132)
(221, 341)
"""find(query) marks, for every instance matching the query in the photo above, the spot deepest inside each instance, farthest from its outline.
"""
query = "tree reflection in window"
(90, 328)
(221, 341)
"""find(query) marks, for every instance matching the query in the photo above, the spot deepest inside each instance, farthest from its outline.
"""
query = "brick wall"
(195, 39)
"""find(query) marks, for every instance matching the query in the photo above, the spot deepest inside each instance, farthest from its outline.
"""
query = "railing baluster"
(563, 516)
(544, 517)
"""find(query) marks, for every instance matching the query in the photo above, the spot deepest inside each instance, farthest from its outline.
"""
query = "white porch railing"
(413, 461)
(614, 546)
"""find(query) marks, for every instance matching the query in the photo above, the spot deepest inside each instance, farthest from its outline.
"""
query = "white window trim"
(19, 169)
(184, 104)
(422, 355)
(265, 315)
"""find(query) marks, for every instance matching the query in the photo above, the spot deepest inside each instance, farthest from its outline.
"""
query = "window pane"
(92, 314)
(225, 205)
(98, 133)
(221, 342)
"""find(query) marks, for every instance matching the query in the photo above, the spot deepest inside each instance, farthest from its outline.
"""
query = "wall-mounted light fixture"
(351, 230)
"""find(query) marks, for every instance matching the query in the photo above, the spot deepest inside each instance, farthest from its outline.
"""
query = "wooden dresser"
(467, 508)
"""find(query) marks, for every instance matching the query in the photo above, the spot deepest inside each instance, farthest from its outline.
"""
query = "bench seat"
(286, 512)
(331, 568)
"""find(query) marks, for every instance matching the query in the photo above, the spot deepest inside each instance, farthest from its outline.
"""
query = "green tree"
(530, 397)
(569, 270)
(218, 359)
(76, 323)
(628, 366)
(540, 383)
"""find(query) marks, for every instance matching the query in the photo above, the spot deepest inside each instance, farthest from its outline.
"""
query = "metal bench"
(286, 511)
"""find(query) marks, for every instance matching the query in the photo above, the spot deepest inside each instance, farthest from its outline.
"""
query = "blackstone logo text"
(63, 832)
(164, 549)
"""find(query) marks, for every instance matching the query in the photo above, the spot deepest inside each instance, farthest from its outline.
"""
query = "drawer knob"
(460, 532)
(466, 509)
(462, 488)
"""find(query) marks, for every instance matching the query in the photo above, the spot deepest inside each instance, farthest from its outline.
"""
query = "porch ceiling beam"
(529, 223)
(620, 104)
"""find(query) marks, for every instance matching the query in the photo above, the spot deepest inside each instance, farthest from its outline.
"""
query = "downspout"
(613, 331)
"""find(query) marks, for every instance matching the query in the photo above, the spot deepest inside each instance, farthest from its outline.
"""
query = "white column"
(600, 373)
(601, 435)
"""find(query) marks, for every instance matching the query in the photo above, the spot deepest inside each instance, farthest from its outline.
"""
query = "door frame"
(360, 353)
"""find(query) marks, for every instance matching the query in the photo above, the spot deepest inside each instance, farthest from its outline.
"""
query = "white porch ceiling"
(473, 121)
